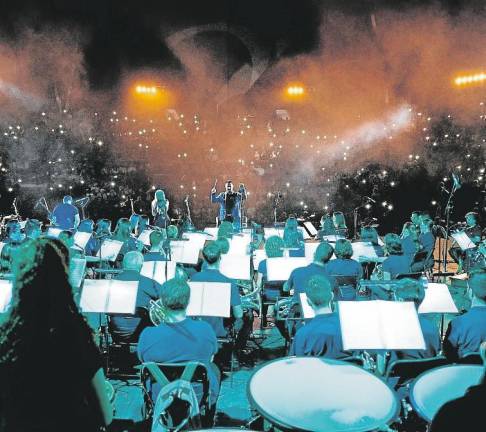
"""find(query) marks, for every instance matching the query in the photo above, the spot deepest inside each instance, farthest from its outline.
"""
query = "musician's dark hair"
(43, 326)
(274, 247)
(225, 229)
(103, 221)
(31, 225)
(123, 229)
(223, 244)
(67, 198)
(66, 237)
(369, 234)
(172, 232)
(291, 223)
(11, 224)
(175, 294)
(410, 290)
(293, 238)
(155, 238)
(83, 225)
(319, 290)
(211, 252)
(477, 284)
(343, 249)
(323, 252)
(393, 244)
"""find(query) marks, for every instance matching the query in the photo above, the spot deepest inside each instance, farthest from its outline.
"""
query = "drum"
(434, 388)
(110, 391)
(316, 394)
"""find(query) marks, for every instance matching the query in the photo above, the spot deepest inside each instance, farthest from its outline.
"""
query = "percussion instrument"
(110, 391)
(317, 394)
(434, 388)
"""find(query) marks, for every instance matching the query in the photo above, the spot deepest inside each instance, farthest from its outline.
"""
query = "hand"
(213, 190)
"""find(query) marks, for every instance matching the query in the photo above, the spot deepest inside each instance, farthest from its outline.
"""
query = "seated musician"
(102, 232)
(410, 240)
(156, 252)
(270, 290)
(397, 262)
(300, 276)
(474, 232)
(212, 257)
(370, 235)
(142, 224)
(410, 290)
(66, 214)
(127, 328)
(465, 333)
(415, 218)
(340, 224)
(327, 227)
(134, 218)
(225, 230)
(426, 237)
(87, 225)
(122, 233)
(179, 338)
(15, 236)
(33, 229)
(321, 336)
(343, 265)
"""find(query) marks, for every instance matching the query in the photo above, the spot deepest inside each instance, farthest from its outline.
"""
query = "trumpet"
(157, 312)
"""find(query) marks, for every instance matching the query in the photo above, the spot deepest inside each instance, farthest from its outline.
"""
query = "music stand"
(209, 299)
(5, 295)
(159, 271)
(235, 266)
(109, 296)
(279, 269)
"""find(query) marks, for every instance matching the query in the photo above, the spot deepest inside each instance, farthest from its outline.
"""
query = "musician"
(179, 338)
(142, 224)
(396, 262)
(127, 328)
(122, 233)
(426, 237)
(212, 256)
(465, 333)
(343, 265)
(410, 240)
(415, 218)
(340, 224)
(321, 336)
(474, 232)
(160, 207)
(14, 233)
(225, 230)
(327, 226)
(156, 252)
(66, 215)
(102, 232)
(134, 218)
(293, 238)
(32, 229)
(410, 290)
(230, 203)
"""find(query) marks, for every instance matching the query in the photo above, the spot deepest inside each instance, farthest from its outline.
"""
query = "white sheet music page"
(310, 250)
(81, 239)
(198, 239)
(5, 294)
(235, 267)
(363, 249)
(54, 232)
(279, 269)
(239, 244)
(437, 299)
(258, 256)
(307, 311)
(332, 238)
(380, 324)
(311, 228)
(269, 232)
(304, 232)
(109, 250)
(77, 267)
(209, 299)
(463, 240)
(2, 245)
(184, 251)
(122, 297)
(212, 231)
(94, 297)
(144, 236)
(156, 270)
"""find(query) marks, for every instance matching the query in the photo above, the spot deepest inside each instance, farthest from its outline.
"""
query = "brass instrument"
(157, 312)
(250, 296)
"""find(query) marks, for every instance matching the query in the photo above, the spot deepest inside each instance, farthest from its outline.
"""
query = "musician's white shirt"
(154, 206)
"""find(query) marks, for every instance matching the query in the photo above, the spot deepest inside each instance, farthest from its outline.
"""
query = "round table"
(316, 394)
(434, 388)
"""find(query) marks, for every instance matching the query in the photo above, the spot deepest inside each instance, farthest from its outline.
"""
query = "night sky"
(127, 35)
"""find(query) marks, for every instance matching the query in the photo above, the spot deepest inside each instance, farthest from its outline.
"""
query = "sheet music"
(5, 294)
(109, 250)
(144, 236)
(310, 250)
(209, 299)
(463, 240)
(54, 232)
(239, 244)
(156, 270)
(269, 232)
(77, 267)
(363, 249)
(235, 267)
(307, 311)
(258, 256)
(2, 245)
(185, 252)
(437, 299)
(212, 231)
(198, 239)
(81, 239)
(311, 228)
(304, 232)
(279, 269)
(109, 296)
(380, 324)
(332, 238)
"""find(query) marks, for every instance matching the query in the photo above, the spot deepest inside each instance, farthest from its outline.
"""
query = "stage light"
(477, 78)
(295, 90)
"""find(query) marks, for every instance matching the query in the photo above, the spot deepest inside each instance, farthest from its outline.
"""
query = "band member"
(340, 224)
(160, 207)
(474, 232)
(327, 226)
(33, 229)
(230, 203)
(66, 215)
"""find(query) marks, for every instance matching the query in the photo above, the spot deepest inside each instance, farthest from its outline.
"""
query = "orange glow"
(472, 79)
(294, 92)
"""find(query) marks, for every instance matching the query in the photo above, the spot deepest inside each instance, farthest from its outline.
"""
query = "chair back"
(346, 287)
(416, 275)
(471, 358)
(408, 370)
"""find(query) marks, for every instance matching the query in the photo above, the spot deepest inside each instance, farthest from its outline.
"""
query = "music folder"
(5, 294)
(239, 244)
(144, 236)
(54, 232)
(109, 296)
(363, 250)
(380, 325)
(463, 240)
(332, 238)
(209, 299)
(109, 250)
(279, 269)
(156, 270)
(185, 251)
(77, 267)
(81, 239)
(437, 299)
(198, 239)
(235, 266)
(311, 228)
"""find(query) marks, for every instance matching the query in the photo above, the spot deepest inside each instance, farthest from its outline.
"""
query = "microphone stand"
(448, 209)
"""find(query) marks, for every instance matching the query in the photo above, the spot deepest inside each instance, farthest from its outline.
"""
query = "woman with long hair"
(50, 368)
